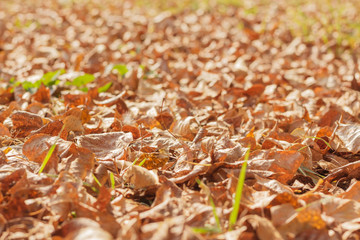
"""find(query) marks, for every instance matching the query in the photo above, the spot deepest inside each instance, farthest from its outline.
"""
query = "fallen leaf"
(82, 228)
(42, 95)
(24, 123)
(138, 177)
(106, 146)
(348, 134)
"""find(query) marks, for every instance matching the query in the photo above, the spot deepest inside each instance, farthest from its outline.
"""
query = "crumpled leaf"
(82, 228)
(283, 163)
(42, 95)
(4, 131)
(138, 177)
(78, 161)
(25, 122)
(121, 106)
(169, 228)
(186, 128)
(106, 146)
(37, 146)
(8, 111)
(52, 128)
(349, 136)
(263, 227)
(200, 169)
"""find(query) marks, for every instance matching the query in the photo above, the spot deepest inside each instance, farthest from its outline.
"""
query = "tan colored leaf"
(106, 146)
(80, 162)
(82, 228)
(8, 111)
(186, 128)
(37, 146)
(353, 192)
(138, 177)
(349, 136)
(263, 227)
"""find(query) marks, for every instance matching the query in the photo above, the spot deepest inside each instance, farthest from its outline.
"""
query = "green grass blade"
(50, 152)
(52, 175)
(135, 161)
(217, 219)
(302, 148)
(206, 230)
(94, 189)
(319, 138)
(302, 171)
(82, 80)
(207, 191)
(142, 162)
(112, 180)
(47, 157)
(239, 188)
(311, 171)
(96, 180)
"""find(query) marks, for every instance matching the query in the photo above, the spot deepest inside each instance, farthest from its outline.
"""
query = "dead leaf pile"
(110, 114)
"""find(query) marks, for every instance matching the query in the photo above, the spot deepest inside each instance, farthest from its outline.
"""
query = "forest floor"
(193, 120)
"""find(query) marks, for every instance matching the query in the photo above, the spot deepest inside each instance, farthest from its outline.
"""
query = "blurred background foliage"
(313, 20)
(329, 22)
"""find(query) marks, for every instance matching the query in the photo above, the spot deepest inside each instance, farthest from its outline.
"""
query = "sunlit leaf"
(50, 78)
(82, 80)
(105, 87)
(121, 69)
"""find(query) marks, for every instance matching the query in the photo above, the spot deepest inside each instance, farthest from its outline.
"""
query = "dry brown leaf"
(121, 106)
(194, 89)
(4, 131)
(353, 192)
(82, 228)
(199, 169)
(80, 163)
(8, 111)
(42, 95)
(6, 96)
(349, 136)
(169, 228)
(263, 227)
(74, 100)
(106, 146)
(138, 177)
(37, 146)
(52, 128)
(186, 128)
(25, 122)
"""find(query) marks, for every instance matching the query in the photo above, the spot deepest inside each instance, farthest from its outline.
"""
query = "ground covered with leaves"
(122, 122)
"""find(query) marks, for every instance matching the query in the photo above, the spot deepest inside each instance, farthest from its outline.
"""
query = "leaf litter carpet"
(109, 118)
